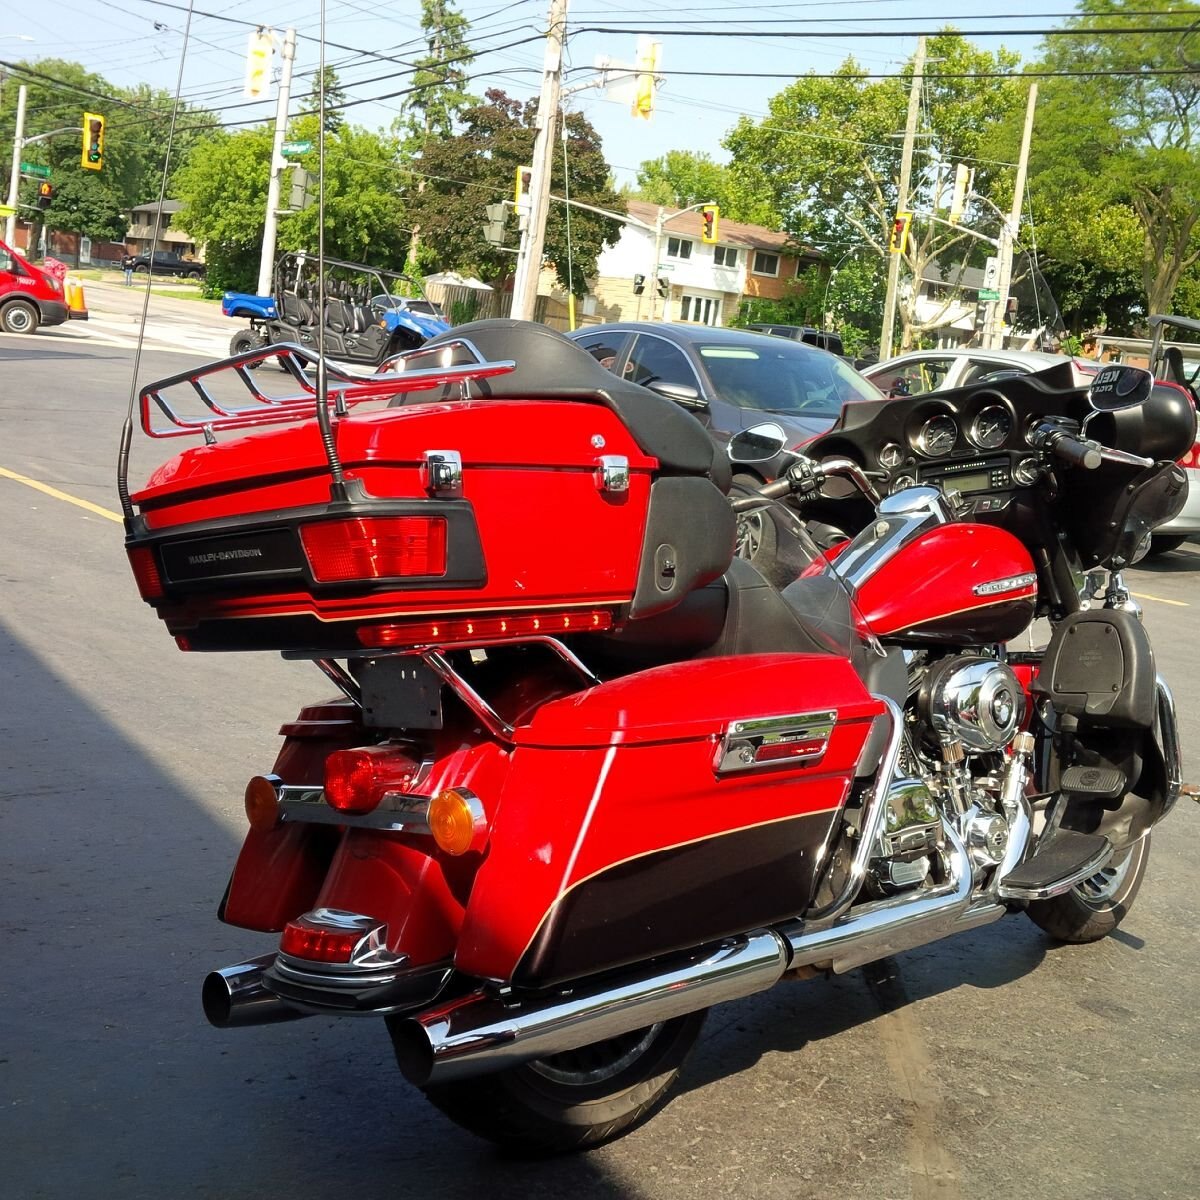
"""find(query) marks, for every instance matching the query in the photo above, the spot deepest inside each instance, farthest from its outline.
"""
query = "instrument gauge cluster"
(938, 436)
(991, 427)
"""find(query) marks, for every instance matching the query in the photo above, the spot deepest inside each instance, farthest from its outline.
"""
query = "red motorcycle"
(587, 773)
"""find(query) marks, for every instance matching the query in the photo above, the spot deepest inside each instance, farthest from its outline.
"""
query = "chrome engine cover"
(978, 701)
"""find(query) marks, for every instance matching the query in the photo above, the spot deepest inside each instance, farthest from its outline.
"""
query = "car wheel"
(1164, 543)
(195, 275)
(141, 269)
(755, 539)
(18, 316)
(243, 341)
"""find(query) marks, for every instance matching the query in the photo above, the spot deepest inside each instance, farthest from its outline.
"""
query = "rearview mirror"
(1117, 386)
(682, 393)
(759, 443)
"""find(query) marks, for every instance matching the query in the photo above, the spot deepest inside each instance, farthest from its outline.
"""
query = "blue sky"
(133, 41)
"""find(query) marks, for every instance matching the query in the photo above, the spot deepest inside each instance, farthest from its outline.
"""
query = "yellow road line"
(1161, 600)
(50, 491)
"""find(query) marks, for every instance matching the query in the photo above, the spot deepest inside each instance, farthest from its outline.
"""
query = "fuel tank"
(957, 584)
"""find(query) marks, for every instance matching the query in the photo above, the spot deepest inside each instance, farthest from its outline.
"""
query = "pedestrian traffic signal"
(45, 195)
(639, 284)
(524, 180)
(92, 157)
(709, 216)
(664, 286)
(493, 229)
(900, 226)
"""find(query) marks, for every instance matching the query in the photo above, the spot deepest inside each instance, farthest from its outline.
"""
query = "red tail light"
(307, 939)
(375, 548)
(145, 572)
(356, 780)
(483, 629)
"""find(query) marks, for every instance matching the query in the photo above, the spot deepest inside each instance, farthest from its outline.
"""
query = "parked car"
(938, 370)
(163, 263)
(1175, 359)
(29, 296)
(820, 338)
(732, 379)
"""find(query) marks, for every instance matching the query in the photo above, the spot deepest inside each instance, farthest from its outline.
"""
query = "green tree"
(828, 157)
(681, 178)
(224, 193)
(335, 98)
(476, 167)
(1115, 161)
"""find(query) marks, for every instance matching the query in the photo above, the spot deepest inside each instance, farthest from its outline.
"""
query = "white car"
(936, 370)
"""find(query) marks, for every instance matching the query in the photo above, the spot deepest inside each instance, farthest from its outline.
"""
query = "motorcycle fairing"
(615, 839)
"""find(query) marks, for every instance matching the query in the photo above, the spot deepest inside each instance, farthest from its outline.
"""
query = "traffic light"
(92, 156)
(646, 77)
(664, 286)
(710, 215)
(900, 226)
(524, 178)
(493, 229)
(301, 191)
(45, 195)
(639, 284)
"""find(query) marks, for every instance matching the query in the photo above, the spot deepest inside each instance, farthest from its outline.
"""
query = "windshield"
(787, 378)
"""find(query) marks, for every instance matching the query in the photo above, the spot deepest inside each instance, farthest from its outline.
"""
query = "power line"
(1085, 31)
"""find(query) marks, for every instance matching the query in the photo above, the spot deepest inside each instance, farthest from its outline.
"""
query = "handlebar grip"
(1078, 453)
(773, 491)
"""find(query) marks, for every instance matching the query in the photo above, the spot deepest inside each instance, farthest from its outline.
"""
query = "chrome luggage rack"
(453, 361)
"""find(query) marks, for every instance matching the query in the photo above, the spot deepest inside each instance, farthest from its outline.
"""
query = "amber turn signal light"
(262, 802)
(457, 821)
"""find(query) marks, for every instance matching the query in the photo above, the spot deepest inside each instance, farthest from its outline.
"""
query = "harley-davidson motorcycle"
(588, 774)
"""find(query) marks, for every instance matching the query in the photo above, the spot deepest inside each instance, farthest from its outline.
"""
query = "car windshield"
(784, 378)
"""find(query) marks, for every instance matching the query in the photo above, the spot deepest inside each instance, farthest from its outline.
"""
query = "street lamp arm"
(40, 137)
(624, 218)
(983, 237)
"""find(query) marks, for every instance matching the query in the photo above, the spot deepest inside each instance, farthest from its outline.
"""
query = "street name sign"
(291, 149)
(35, 169)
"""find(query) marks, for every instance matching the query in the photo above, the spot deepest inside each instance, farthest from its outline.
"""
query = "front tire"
(243, 341)
(1092, 909)
(575, 1100)
(1164, 543)
(19, 316)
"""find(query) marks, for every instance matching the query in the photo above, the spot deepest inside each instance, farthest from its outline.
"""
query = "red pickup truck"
(29, 296)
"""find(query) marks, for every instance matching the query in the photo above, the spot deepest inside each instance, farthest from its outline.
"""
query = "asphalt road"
(996, 1065)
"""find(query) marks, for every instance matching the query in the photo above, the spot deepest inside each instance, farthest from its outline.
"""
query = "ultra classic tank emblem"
(759, 742)
(1013, 583)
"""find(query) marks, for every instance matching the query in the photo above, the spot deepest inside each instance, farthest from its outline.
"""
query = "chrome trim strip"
(1168, 730)
(1007, 891)
(743, 741)
(873, 813)
(397, 812)
(1012, 583)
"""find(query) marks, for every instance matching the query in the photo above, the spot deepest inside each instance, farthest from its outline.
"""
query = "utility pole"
(910, 133)
(1008, 234)
(529, 260)
(10, 223)
(266, 264)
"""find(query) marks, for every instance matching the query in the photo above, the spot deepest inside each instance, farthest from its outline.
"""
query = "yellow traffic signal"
(646, 77)
(710, 216)
(898, 242)
(91, 156)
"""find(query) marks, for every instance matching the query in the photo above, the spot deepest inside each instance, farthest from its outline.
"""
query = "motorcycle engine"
(976, 701)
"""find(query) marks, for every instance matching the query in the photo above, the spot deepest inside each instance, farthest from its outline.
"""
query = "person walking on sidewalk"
(127, 267)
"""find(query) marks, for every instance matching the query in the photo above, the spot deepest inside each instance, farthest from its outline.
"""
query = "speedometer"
(990, 429)
(937, 436)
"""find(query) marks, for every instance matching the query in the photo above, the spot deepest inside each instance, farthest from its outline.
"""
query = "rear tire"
(1164, 543)
(575, 1100)
(19, 316)
(1092, 909)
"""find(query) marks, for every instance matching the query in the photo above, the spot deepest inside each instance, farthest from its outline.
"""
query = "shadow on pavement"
(112, 1084)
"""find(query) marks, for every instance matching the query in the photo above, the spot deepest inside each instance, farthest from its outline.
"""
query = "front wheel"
(577, 1099)
(243, 341)
(1164, 543)
(1094, 908)
(18, 316)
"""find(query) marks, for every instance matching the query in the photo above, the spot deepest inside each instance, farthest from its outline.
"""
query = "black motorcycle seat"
(551, 366)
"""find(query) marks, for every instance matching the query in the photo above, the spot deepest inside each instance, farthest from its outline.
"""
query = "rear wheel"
(18, 316)
(1094, 908)
(577, 1099)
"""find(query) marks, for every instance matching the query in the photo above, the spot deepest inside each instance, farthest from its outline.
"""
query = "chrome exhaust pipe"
(480, 1032)
(236, 996)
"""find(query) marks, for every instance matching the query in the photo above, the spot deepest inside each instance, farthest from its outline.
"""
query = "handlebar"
(805, 476)
(1072, 450)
